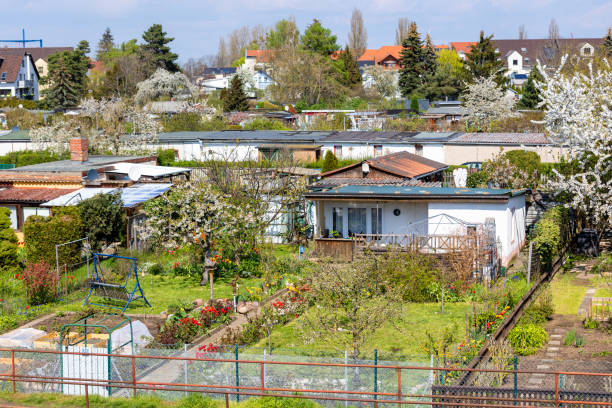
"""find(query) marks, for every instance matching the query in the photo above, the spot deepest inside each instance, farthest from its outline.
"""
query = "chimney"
(78, 149)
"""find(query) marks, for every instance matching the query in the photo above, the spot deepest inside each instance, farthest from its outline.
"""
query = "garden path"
(172, 370)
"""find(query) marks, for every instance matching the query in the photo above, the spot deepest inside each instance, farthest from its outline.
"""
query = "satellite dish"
(92, 175)
(134, 174)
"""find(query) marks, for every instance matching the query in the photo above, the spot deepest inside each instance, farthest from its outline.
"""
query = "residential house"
(387, 56)
(519, 56)
(213, 79)
(462, 48)
(257, 60)
(432, 219)
(40, 56)
(18, 75)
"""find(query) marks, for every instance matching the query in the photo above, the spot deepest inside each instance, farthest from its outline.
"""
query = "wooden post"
(263, 383)
(212, 289)
(529, 262)
(226, 401)
(557, 390)
(87, 395)
(399, 387)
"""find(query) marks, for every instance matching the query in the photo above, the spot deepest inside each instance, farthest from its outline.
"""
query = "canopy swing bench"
(123, 290)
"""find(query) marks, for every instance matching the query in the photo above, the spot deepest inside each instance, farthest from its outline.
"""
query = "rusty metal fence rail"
(399, 385)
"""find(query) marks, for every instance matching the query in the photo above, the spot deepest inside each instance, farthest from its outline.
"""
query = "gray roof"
(448, 110)
(538, 139)
(263, 136)
(93, 162)
(412, 192)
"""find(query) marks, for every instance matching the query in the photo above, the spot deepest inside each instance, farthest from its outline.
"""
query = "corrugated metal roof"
(148, 170)
(448, 110)
(93, 162)
(131, 196)
(31, 194)
(502, 139)
(395, 181)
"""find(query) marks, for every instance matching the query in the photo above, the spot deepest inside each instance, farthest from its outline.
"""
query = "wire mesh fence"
(331, 381)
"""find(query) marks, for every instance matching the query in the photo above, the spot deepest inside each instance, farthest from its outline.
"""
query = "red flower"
(17, 276)
(473, 291)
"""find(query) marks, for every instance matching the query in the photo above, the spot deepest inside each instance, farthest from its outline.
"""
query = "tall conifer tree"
(411, 61)
(531, 95)
(483, 60)
(156, 41)
(105, 45)
(235, 98)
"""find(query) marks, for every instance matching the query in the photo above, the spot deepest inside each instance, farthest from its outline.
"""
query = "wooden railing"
(601, 308)
(423, 243)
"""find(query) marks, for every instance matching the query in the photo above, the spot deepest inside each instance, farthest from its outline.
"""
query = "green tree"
(8, 242)
(414, 104)
(484, 60)
(531, 96)
(63, 91)
(430, 59)
(285, 33)
(411, 61)
(235, 99)
(348, 70)
(103, 219)
(155, 42)
(607, 44)
(319, 39)
(330, 162)
(105, 45)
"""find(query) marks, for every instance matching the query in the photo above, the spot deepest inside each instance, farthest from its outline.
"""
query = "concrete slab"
(553, 349)
(535, 381)
(555, 342)
(543, 367)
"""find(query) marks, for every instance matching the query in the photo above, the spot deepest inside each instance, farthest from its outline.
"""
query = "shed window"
(337, 220)
(376, 220)
(418, 150)
(356, 221)
(515, 62)
(338, 151)
(378, 150)
(3, 76)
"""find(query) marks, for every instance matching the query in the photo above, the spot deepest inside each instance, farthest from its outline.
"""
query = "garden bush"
(265, 124)
(541, 310)
(12, 102)
(103, 219)
(9, 260)
(197, 401)
(270, 402)
(330, 162)
(28, 157)
(41, 234)
(527, 339)
(183, 121)
(40, 283)
(166, 157)
(477, 179)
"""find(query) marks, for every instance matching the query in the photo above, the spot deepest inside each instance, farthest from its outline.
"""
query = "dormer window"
(3, 76)
(586, 51)
(523, 49)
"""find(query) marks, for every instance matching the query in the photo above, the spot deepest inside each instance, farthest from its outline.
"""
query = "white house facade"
(18, 76)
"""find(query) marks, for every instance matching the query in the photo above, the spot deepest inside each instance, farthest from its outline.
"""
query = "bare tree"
(222, 57)
(401, 31)
(522, 32)
(194, 68)
(553, 30)
(358, 37)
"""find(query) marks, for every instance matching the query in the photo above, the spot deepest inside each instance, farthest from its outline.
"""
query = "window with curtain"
(357, 221)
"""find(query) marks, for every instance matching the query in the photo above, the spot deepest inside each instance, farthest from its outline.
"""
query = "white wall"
(10, 146)
(509, 229)
(363, 150)
(193, 150)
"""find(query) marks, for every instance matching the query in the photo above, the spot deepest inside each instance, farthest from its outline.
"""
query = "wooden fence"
(422, 243)
(336, 248)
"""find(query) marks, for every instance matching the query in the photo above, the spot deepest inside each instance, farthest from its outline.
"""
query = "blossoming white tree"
(383, 81)
(54, 137)
(579, 115)
(163, 83)
(248, 78)
(486, 102)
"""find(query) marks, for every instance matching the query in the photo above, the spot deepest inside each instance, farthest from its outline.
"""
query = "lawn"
(401, 339)
(567, 294)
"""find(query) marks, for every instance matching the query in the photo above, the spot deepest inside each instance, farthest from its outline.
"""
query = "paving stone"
(543, 367)
(559, 330)
(535, 380)
(590, 291)
(539, 374)
(556, 336)
(555, 342)
(552, 355)
(547, 360)
(553, 349)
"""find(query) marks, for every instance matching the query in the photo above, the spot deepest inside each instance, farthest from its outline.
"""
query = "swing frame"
(98, 283)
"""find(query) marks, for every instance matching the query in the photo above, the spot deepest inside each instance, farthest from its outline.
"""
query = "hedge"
(41, 234)
(551, 234)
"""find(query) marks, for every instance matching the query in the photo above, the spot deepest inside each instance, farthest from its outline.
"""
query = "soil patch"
(55, 322)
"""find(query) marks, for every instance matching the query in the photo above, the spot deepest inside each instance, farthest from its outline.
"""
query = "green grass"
(401, 339)
(603, 292)
(192, 401)
(567, 296)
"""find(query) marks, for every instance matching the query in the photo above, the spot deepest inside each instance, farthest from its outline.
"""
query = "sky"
(197, 25)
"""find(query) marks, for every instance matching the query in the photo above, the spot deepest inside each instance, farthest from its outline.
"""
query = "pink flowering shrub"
(40, 282)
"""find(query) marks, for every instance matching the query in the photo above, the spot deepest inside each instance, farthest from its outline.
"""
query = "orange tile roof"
(381, 53)
(261, 55)
(465, 46)
(32, 194)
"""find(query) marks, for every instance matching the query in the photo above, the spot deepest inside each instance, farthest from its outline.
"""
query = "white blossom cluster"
(163, 83)
(579, 115)
(383, 81)
(486, 101)
(55, 137)
(247, 76)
